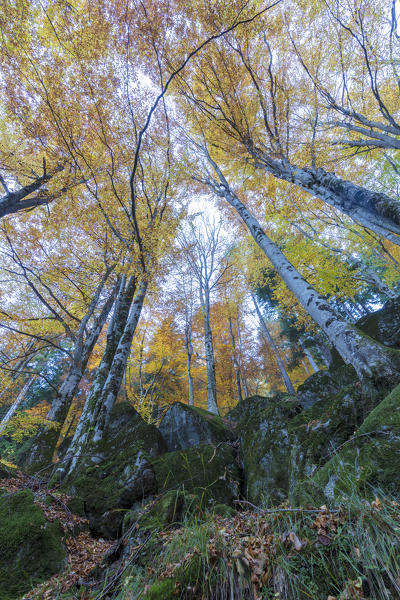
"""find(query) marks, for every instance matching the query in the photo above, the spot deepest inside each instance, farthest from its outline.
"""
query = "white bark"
(309, 355)
(18, 400)
(373, 210)
(103, 394)
(209, 351)
(236, 362)
(189, 354)
(368, 357)
(285, 376)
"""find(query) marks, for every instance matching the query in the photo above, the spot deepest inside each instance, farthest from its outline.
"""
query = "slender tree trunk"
(43, 445)
(368, 357)
(309, 355)
(285, 375)
(189, 354)
(209, 350)
(373, 210)
(236, 363)
(103, 394)
(244, 380)
(18, 400)
(303, 362)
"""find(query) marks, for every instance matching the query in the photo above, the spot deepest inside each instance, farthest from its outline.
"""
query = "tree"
(369, 359)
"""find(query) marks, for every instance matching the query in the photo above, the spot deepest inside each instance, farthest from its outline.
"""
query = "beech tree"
(369, 358)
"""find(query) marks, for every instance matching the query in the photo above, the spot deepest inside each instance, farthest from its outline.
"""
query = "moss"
(208, 471)
(186, 426)
(161, 590)
(115, 472)
(367, 463)
(262, 425)
(7, 470)
(30, 548)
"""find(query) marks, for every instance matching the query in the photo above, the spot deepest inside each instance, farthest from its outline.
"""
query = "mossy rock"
(319, 386)
(186, 426)
(384, 325)
(115, 472)
(210, 472)
(315, 433)
(368, 462)
(31, 549)
(7, 470)
(170, 508)
(262, 425)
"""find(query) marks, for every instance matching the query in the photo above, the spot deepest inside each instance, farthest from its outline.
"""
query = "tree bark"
(18, 400)
(236, 363)
(102, 396)
(373, 210)
(189, 354)
(368, 357)
(310, 357)
(285, 375)
(212, 405)
(43, 445)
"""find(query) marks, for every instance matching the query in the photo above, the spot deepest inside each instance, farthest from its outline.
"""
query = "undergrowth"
(349, 553)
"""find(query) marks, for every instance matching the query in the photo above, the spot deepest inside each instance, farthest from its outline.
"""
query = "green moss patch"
(30, 547)
(210, 472)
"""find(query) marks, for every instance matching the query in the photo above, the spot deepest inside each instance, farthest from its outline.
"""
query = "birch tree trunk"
(369, 358)
(103, 394)
(189, 354)
(373, 210)
(18, 400)
(244, 380)
(42, 448)
(212, 405)
(236, 363)
(309, 355)
(285, 376)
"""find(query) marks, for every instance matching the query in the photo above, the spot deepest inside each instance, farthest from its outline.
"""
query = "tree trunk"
(373, 210)
(244, 380)
(103, 394)
(18, 400)
(309, 355)
(189, 354)
(368, 357)
(42, 447)
(236, 363)
(285, 376)
(212, 405)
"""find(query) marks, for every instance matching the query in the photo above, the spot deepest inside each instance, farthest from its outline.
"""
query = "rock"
(31, 549)
(168, 509)
(384, 324)
(185, 426)
(319, 386)
(117, 473)
(315, 434)
(7, 470)
(367, 462)
(262, 425)
(210, 472)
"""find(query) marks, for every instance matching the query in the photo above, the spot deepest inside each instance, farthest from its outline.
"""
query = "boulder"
(367, 462)
(7, 470)
(207, 471)
(117, 473)
(185, 426)
(31, 548)
(384, 324)
(262, 426)
(319, 386)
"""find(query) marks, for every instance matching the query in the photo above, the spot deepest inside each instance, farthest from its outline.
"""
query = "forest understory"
(199, 299)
